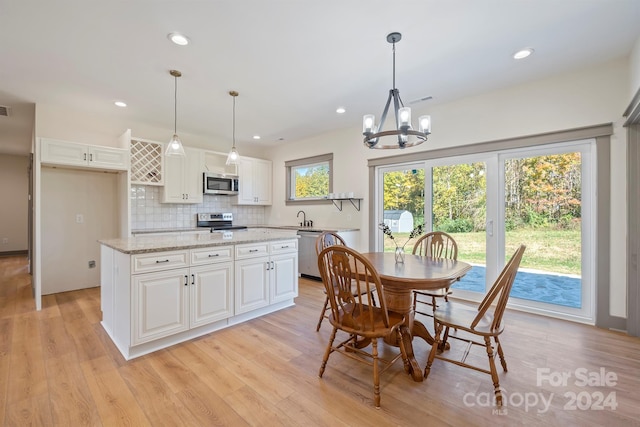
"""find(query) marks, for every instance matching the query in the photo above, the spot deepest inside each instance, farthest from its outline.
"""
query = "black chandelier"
(403, 135)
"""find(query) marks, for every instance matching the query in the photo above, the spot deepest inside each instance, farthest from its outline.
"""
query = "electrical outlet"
(5, 240)
(79, 218)
(92, 264)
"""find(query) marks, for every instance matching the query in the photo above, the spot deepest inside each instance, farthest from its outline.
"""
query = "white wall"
(587, 97)
(14, 191)
(634, 67)
(69, 245)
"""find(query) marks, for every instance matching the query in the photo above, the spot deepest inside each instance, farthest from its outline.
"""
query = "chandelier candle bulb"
(404, 118)
(424, 123)
(367, 123)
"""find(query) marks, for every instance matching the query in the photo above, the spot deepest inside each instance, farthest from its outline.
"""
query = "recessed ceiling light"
(523, 53)
(179, 39)
(120, 104)
(256, 136)
(340, 110)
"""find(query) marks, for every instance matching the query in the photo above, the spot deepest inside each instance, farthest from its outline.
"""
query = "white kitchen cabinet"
(155, 299)
(283, 279)
(54, 152)
(183, 177)
(211, 285)
(252, 277)
(265, 274)
(168, 300)
(160, 304)
(211, 293)
(255, 177)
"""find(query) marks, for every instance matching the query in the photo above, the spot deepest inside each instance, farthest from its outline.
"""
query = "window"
(309, 179)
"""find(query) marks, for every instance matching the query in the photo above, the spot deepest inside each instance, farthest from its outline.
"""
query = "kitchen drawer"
(252, 250)
(211, 255)
(284, 246)
(156, 261)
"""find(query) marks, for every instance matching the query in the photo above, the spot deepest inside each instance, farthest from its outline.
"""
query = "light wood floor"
(58, 367)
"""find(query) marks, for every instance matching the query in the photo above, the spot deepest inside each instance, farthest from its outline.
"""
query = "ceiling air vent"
(4, 111)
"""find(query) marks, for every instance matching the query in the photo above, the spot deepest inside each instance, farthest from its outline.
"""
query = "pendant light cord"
(175, 104)
(234, 122)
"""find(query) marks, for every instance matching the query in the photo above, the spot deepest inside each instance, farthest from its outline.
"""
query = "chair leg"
(403, 350)
(503, 361)
(376, 373)
(494, 371)
(443, 344)
(434, 349)
(433, 302)
(322, 313)
(327, 352)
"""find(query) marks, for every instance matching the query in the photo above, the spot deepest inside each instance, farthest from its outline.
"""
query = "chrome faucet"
(304, 219)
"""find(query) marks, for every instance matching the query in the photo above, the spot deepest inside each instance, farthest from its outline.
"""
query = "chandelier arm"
(386, 109)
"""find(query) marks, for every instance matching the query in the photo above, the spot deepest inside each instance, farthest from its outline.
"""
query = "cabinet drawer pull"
(254, 250)
(284, 246)
(160, 262)
(213, 255)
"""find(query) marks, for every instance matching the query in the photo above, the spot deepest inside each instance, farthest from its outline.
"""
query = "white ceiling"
(292, 61)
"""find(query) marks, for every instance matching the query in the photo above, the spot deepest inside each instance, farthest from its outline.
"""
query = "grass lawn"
(547, 249)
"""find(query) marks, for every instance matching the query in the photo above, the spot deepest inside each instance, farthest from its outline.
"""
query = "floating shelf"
(351, 199)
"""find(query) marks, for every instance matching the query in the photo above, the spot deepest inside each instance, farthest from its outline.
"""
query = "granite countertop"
(276, 227)
(314, 228)
(145, 244)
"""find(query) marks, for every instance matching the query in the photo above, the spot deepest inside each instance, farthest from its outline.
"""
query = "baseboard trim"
(13, 253)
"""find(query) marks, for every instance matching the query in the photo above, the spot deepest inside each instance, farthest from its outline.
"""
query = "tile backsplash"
(148, 213)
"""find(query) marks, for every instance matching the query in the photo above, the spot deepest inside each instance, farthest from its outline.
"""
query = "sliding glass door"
(457, 198)
(492, 203)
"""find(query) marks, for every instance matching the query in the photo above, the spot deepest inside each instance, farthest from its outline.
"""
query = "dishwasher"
(307, 257)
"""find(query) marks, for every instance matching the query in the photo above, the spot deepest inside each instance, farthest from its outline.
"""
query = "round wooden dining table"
(399, 281)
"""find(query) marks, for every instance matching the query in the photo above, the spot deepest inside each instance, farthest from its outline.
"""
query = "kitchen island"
(157, 291)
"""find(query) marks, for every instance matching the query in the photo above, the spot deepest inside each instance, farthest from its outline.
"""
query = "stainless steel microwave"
(215, 183)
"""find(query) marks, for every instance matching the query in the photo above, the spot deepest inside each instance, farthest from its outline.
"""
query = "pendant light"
(174, 148)
(404, 134)
(232, 158)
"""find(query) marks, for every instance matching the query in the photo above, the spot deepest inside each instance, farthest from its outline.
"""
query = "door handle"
(490, 227)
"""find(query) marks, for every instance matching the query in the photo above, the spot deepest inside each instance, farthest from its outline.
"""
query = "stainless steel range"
(217, 221)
